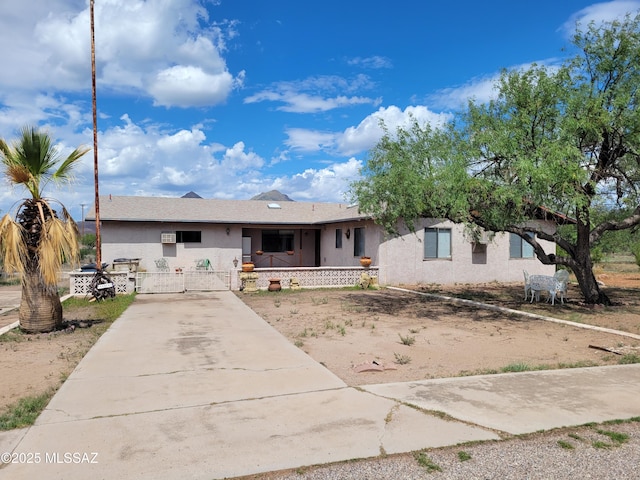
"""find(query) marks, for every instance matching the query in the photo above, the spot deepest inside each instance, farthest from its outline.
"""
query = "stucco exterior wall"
(142, 240)
(401, 260)
(330, 256)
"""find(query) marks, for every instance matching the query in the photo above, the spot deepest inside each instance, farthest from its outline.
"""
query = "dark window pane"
(358, 242)
(188, 236)
(277, 240)
(430, 243)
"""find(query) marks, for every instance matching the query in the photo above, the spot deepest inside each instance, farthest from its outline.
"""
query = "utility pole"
(83, 205)
(95, 140)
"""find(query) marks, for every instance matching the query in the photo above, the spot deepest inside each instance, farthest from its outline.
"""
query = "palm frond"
(63, 173)
(59, 243)
(13, 247)
(33, 161)
(71, 224)
(18, 174)
(4, 148)
(35, 149)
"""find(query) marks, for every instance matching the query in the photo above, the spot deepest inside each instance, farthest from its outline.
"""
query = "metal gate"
(177, 282)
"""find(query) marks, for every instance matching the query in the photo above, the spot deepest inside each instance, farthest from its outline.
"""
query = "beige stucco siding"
(142, 240)
(401, 259)
(344, 257)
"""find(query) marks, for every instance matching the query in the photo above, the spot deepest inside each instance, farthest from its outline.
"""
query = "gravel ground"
(572, 453)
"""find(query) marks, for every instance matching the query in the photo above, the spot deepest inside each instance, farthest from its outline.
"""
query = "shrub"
(635, 249)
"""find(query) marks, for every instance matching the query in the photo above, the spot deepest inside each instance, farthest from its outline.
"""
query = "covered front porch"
(281, 247)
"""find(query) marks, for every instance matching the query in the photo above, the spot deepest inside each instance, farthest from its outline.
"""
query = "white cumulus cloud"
(189, 86)
(164, 50)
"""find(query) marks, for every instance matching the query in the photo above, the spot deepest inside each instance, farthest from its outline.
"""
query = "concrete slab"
(198, 386)
(10, 297)
(89, 398)
(202, 354)
(238, 438)
(10, 439)
(528, 402)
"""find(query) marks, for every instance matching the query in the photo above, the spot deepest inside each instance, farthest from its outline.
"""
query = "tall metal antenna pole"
(83, 205)
(95, 140)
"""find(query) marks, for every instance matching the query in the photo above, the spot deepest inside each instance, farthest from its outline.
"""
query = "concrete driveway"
(198, 386)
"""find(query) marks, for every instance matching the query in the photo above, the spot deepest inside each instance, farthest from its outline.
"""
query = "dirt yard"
(385, 336)
(349, 330)
(33, 364)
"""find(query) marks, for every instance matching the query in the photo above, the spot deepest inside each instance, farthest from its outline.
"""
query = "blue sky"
(230, 98)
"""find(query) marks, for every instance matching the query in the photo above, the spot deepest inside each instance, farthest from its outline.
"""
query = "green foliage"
(33, 161)
(517, 367)
(107, 311)
(629, 358)
(560, 140)
(425, 462)
(617, 437)
(635, 250)
(463, 456)
(597, 254)
(566, 445)
(87, 252)
(88, 240)
(24, 412)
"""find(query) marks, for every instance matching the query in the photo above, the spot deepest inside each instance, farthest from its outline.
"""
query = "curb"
(518, 312)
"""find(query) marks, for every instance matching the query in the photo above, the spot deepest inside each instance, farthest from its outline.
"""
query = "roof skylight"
(274, 205)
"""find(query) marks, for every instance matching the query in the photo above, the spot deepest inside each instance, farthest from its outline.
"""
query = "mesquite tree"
(562, 139)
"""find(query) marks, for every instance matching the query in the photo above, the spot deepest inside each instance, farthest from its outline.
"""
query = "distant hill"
(191, 195)
(86, 227)
(273, 195)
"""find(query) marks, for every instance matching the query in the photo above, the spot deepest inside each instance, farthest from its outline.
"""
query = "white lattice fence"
(317, 277)
(177, 282)
(79, 282)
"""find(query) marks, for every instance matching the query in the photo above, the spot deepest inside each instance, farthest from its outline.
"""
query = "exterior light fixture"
(347, 233)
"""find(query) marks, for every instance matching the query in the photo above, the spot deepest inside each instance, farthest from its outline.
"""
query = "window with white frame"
(518, 246)
(437, 243)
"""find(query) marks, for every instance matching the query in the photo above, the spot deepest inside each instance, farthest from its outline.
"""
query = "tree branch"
(611, 225)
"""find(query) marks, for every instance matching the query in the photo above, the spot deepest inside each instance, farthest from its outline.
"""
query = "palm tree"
(39, 239)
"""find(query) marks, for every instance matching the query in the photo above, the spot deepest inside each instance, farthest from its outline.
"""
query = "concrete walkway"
(198, 386)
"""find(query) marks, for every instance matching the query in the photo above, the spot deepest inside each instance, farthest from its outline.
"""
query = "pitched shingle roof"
(200, 210)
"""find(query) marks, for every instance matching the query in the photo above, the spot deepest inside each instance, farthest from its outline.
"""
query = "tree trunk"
(583, 266)
(589, 285)
(40, 307)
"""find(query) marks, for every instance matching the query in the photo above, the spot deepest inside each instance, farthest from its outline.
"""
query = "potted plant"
(365, 261)
(247, 266)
